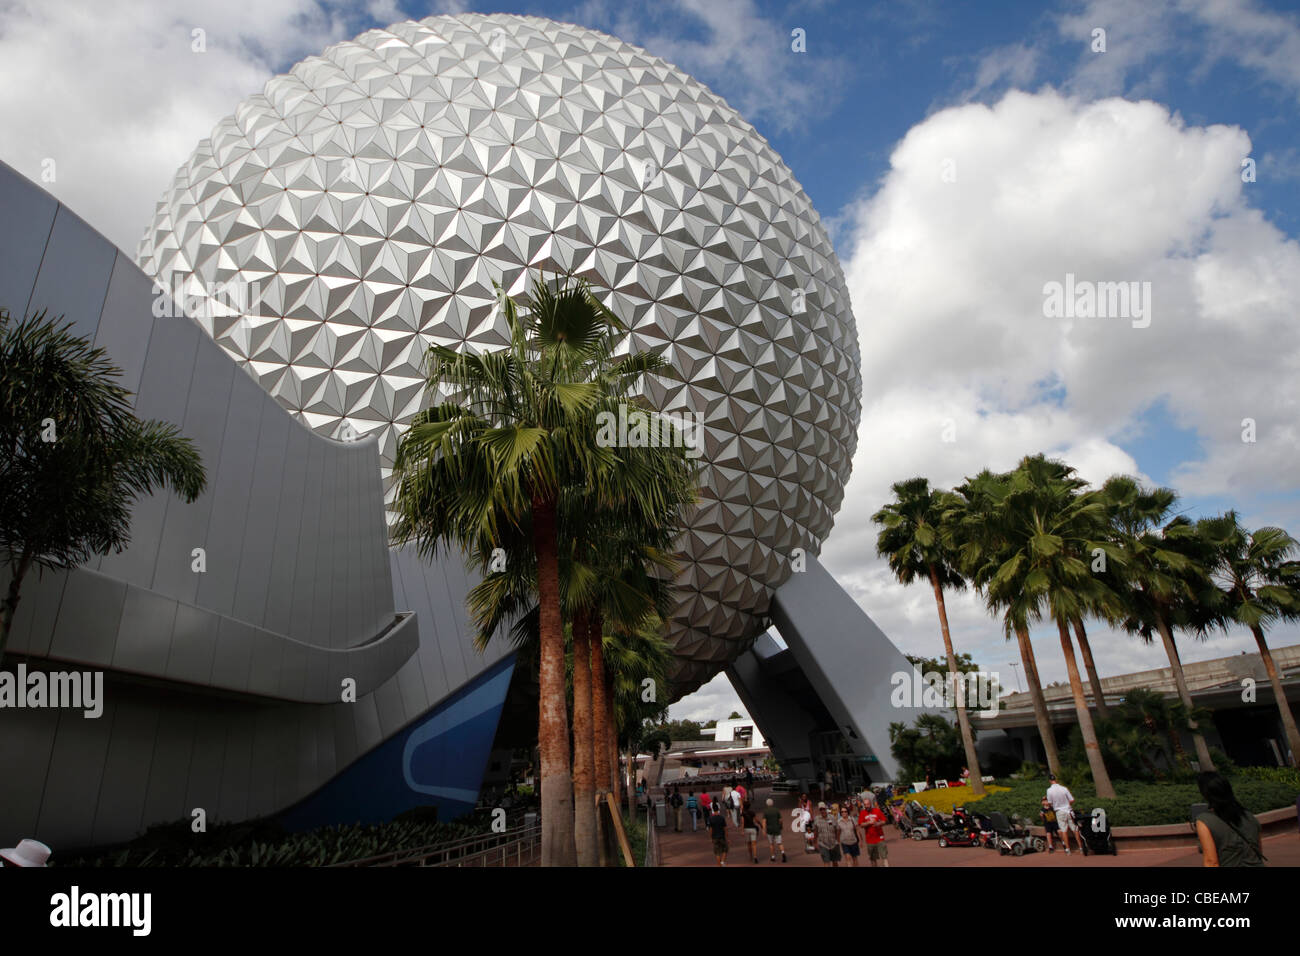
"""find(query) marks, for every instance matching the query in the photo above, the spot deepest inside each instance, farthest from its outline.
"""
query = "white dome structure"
(368, 199)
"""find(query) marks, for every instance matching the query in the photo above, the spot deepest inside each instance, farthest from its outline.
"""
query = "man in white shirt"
(1062, 801)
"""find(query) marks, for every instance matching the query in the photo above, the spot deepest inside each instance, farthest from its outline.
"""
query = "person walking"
(693, 808)
(847, 831)
(1228, 832)
(706, 808)
(718, 831)
(772, 830)
(1062, 803)
(872, 820)
(677, 803)
(749, 823)
(826, 836)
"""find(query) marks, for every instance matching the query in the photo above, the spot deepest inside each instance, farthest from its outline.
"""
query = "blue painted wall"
(439, 760)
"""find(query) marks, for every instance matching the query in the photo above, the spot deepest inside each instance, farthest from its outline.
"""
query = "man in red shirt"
(872, 820)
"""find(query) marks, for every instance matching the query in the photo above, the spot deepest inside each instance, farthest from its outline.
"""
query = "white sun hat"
(27, 853)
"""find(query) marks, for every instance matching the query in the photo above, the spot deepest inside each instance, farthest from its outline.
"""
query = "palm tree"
(73, 455)
(1049, 522)
(1257, 584)
(635, 657)
(474, 471)
(615, 567)
(507, 466)
(912, 538)
(975, 526)
(1090, 667)
(1164, 575)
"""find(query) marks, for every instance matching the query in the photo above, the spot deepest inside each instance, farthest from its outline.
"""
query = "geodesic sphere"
(360, 208)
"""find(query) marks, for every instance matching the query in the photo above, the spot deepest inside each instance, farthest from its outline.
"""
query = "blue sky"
(1120, 165)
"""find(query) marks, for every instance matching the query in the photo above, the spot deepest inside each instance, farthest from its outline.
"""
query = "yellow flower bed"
(944, 799)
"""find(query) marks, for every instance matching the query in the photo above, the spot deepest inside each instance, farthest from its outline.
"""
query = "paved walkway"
(696, 849)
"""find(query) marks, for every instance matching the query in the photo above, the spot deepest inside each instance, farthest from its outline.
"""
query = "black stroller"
(1094, 832)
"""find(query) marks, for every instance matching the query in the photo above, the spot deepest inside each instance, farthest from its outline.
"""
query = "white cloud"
(744, 56)
(947, 283)
(1140, 32)
(117, 96)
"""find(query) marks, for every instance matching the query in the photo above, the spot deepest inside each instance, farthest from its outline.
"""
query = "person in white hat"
(26, 853)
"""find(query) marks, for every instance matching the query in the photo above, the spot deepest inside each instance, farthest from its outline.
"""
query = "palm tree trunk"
(599, 731)
(1100, 778)
(1176, 665)
(1098, 697)
(1279, 695)
(1044, 722)
(584, 760)
(552, 722)
(10, 606)
(611, 725)
(963, 719)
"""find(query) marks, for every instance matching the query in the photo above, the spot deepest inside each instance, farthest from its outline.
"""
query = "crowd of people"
(836, 831)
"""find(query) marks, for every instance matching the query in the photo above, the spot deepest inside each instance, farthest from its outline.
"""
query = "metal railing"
(651, 838)
(452, 852)
(524, 850)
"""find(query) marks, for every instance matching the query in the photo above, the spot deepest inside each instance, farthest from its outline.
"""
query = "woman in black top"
(1229, 833)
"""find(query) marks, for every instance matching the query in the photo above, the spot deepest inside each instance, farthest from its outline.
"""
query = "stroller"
(1015, 840)
(1094, 832)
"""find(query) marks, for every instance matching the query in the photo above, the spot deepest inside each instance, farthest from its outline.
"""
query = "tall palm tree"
(1050, 522)
(1164, 575)
(472, 471)
(912, 539)
(1257, 586)
(1090, 667)
(73, 455)
(509, 465)
(977, 531)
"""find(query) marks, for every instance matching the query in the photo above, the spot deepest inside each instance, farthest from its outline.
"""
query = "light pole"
(1016, 668)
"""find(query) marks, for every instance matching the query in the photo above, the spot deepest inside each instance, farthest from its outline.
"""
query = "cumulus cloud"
(111, 98)
(1140, 32)
(982, 207)
(742, 54)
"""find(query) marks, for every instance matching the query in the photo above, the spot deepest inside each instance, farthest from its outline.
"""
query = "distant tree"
(679, 730)
(928, 665)
(735, 715)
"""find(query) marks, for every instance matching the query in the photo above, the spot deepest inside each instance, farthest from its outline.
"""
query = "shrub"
(265, 843)
(1284, 775)
(1138, 803)
(1031, 771)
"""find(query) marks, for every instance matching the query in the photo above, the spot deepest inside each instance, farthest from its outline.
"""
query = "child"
(1048, 816)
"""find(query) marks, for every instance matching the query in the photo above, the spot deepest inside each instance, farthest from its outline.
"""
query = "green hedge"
(1147, 804)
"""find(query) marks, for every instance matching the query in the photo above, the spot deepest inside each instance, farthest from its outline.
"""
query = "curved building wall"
(222, 687)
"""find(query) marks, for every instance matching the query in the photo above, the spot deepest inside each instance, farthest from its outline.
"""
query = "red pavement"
(696, 849)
